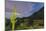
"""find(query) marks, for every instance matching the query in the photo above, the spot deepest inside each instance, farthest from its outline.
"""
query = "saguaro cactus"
(13, 18)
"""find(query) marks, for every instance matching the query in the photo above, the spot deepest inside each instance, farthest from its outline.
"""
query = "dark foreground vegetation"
(35, 21)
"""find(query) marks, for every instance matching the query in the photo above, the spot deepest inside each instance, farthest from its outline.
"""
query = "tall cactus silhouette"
(13, 18)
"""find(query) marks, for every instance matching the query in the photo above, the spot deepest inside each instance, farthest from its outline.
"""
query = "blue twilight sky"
(23, 9)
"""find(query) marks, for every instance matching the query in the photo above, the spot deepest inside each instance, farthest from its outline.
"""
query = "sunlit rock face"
(23, 9)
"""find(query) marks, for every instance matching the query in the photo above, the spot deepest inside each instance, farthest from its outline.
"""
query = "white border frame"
(2, 15)
(29, 0)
